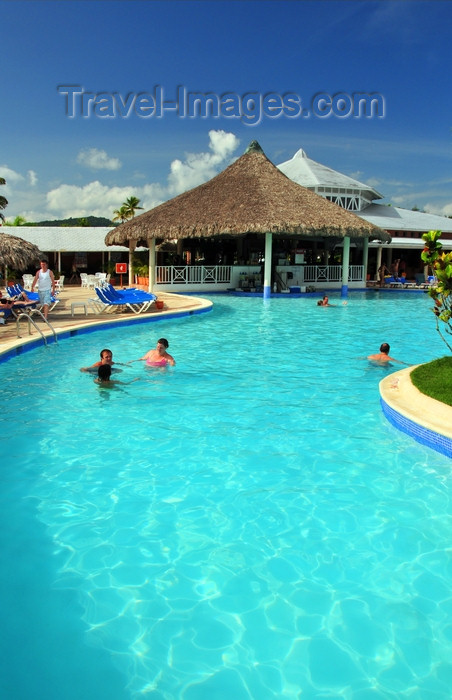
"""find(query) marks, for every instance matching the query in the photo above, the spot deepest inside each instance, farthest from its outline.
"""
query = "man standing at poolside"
(46, 286)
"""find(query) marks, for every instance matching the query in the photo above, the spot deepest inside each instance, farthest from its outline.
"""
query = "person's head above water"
(106, 356)
(164, 342)
(104, 373)
(384, 347)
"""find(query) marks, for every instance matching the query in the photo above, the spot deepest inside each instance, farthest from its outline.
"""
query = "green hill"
(79, 221)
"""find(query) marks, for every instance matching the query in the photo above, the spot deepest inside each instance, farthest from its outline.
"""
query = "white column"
(365, 258)
(379, 253)
(345, 264)
(268, 265)
(132, 246)
(151, 246)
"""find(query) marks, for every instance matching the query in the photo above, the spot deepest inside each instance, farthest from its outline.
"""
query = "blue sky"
(58, 165)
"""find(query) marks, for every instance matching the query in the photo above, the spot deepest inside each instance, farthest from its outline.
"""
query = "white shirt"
(44, 281)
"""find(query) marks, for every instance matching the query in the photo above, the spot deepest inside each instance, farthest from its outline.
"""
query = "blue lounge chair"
(130, 292)
(132, 296)
(111, 302)
(16, 290)
(394, 281)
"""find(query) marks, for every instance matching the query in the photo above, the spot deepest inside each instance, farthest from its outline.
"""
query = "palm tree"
(122, 214)
(3, 201)
(132, 205)
(19, 221)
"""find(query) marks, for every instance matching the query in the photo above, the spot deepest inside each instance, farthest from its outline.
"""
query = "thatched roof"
(17, 253)
(250, 196)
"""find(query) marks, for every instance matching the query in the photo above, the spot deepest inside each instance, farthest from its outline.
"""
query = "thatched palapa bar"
(250, 196)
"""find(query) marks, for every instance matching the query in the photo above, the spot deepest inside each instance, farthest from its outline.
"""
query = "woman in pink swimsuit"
(159, 357)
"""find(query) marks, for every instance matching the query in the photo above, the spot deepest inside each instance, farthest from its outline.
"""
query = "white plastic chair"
(84, 279)
(28, 281)
(100, 278)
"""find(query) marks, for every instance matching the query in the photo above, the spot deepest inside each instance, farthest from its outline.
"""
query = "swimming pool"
(247, 525)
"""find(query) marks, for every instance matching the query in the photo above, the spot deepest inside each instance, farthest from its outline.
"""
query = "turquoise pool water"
(246, 525)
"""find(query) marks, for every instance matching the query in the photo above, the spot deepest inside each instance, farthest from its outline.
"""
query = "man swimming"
(106, 358)
(383, 357)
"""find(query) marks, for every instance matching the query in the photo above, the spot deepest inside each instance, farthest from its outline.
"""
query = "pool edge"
(426, 420)
(18, 346)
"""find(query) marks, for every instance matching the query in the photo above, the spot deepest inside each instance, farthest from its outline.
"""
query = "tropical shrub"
(441, 290)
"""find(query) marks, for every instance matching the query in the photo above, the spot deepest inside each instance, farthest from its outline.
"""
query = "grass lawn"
(435, 379)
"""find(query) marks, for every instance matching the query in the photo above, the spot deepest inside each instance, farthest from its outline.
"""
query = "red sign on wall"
(121, 268)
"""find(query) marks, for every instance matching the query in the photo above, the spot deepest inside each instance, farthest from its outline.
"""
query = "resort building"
(405, 226)
(221, 263)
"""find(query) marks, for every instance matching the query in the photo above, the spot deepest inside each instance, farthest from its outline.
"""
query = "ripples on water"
(245, 525)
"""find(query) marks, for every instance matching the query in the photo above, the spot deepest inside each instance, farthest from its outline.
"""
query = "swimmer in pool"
(104, 378)
(159, 357)
(324, 302)
(106, 358)
(382, 357)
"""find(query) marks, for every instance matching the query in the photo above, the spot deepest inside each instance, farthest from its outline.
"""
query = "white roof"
(308, 173)
(409, 243)
(395, 219)
(62, 239)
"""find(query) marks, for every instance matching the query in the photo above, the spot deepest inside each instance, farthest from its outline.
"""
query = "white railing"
(221, 276)
(356, 273)
(331, 273)
(193, 274)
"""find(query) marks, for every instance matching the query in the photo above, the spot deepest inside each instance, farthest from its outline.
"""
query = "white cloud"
(11, 176)
(403, 200)
(445, 210)
(96, 159)
(371, 181)
(357, 175)
(200, 167)
(32, 177)
(96, 199)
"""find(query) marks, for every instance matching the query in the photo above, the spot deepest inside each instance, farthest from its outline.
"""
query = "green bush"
(434, 379)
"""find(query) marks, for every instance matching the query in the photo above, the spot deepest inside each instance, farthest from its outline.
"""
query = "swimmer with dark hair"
(383, 357)
(106, 358)
(325, 302)
(104, 378)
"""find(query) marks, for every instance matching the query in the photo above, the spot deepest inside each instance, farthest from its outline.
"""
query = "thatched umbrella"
(17, 253)
(250, 196)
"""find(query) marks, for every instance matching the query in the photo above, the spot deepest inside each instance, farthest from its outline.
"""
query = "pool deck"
(62, 319)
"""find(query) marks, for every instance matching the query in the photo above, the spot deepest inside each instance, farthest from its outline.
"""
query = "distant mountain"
(87, 221)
